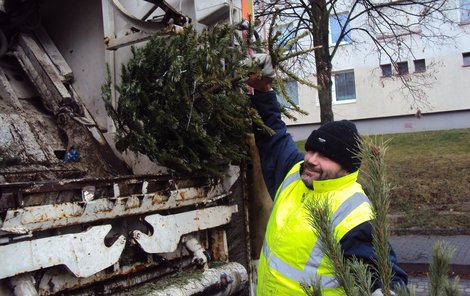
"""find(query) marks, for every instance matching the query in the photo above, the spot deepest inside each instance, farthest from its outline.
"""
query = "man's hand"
(265, 63)
(263, 83)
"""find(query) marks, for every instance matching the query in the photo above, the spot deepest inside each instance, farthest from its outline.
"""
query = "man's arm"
(278, 153)
(358, 243)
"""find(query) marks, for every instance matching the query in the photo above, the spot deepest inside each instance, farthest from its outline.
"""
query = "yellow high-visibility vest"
(291, 253)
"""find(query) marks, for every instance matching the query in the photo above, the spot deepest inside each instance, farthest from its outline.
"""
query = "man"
(291, 253)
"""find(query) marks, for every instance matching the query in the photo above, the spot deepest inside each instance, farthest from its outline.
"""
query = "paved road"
(418, 248)
(420, 285)
(414, 252)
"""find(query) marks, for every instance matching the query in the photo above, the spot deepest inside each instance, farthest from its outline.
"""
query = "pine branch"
(378, 190)
(439, 283)
(319, 218)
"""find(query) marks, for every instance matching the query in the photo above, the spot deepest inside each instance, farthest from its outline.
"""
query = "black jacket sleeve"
(278, 153)
(358, 243)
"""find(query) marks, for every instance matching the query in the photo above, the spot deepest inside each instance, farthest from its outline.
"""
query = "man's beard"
(322, 175)
(308, 181)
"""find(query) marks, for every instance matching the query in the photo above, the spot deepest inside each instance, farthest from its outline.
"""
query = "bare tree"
(392, 26)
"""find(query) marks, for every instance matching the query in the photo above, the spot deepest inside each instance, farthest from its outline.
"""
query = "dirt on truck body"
(76, 216)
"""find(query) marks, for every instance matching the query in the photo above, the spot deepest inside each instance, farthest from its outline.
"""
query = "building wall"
(447, 80)
(399, 124)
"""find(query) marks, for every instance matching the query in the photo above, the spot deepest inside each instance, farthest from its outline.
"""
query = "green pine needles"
(183, 102)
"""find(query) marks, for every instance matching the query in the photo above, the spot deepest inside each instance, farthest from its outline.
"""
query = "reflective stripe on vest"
(287, 181)
(316, 255)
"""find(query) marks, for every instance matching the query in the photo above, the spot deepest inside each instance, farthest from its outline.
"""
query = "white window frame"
(382, 66)
(330, 35)
(464, 9)
(466, 59)
(404, 63)
(284, 29)
(295, 98)
(333, 88)
(415, 62)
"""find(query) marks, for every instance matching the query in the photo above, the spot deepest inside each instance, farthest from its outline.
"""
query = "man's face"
(319, 167)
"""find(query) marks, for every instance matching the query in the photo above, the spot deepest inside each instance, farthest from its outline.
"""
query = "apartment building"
(369, 89)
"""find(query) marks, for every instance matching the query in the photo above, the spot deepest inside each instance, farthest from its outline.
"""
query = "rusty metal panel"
(83, 253)
(167, 230)
(29, 219)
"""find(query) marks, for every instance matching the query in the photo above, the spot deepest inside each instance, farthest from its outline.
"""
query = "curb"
(463, 271)
(429, 232)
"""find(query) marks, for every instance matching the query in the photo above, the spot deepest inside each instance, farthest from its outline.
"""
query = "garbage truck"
(78, 217)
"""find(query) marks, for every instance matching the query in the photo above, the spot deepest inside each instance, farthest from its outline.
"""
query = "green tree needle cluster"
(183, 101)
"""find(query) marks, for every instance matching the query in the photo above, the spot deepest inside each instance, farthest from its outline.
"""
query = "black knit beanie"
(337, 140)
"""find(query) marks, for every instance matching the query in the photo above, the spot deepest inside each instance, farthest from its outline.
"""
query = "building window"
(466, 58)
(402, 68)
(420, 66)
(292, 90)
(344, 87)
(337, 23)
(287, 33)
(386, 70)
(465, 11)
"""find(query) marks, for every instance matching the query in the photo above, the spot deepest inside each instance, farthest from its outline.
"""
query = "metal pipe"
(226, 279)
(198, 252)
(23, 285)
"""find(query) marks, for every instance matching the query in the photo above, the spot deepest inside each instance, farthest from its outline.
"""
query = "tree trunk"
(320, 33)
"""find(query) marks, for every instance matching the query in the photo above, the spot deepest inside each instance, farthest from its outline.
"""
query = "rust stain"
(135, 268)
(76, 214)
(132, 204)
(182, 195)
(156, 200)
(217, 247)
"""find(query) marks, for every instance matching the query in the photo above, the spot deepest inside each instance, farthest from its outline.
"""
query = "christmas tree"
(183, 101)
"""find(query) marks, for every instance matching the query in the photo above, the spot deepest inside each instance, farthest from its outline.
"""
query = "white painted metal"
(193, 245)
(138, 23)
(167, 230)
(54, 54)
(23, 285)
(28, 219)
(55, 279)
(83, 253)
(231, 176)
(209, 12)
(88, 193)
